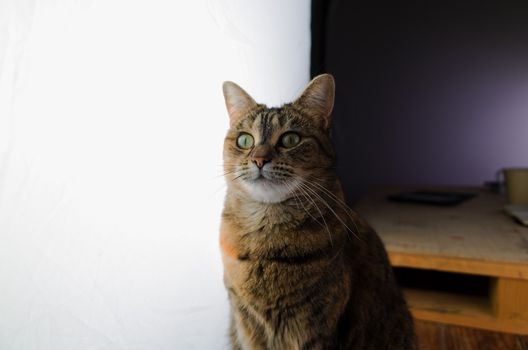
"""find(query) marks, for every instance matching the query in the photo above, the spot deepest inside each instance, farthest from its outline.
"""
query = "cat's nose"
(262, 154)
(260, 161)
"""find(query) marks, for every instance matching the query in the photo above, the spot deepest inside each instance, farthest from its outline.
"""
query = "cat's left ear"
(238, 102)
(318, 98)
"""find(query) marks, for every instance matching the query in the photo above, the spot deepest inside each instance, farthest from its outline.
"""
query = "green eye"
(245, 141)
(290, 139)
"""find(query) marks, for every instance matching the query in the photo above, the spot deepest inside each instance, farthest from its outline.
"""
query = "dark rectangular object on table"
(432, 197)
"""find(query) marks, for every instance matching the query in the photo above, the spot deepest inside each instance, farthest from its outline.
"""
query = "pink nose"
(262, 154)
(260, 161)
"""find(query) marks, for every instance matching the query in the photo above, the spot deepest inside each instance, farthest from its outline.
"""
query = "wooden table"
(472, 238)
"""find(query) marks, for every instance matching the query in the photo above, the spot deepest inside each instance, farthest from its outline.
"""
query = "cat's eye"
(245, 141)
(290, 139)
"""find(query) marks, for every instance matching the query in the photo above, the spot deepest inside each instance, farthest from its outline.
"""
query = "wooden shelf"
(474, 238)
(457, 264)
(461, 310)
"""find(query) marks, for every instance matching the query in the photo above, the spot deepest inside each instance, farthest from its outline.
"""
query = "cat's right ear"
(318, 98)
(238, 102)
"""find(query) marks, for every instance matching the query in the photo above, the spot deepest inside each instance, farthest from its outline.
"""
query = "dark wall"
(425, 94)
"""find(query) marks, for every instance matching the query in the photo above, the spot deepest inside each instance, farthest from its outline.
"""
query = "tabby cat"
(301, 269)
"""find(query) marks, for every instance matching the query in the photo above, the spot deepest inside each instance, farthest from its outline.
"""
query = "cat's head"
(270, 153)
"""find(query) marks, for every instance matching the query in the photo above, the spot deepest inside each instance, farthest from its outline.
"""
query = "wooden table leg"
(509, 299)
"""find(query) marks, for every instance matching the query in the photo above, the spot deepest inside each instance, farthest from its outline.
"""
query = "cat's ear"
(318, 98)
(238, 102)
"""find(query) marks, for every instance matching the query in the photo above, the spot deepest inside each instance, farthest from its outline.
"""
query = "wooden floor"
(436, 336)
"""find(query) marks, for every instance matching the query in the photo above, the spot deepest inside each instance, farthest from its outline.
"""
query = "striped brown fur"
(301, 269)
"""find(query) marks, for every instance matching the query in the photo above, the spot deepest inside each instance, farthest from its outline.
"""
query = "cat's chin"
(269, 191)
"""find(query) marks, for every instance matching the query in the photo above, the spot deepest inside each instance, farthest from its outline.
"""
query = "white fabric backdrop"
(111, 128)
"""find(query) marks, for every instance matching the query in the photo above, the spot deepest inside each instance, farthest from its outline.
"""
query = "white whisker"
(311, 190)
(307, 195)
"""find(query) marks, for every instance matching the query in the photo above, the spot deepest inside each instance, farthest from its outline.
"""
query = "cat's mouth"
(265, 179)
(265, 187)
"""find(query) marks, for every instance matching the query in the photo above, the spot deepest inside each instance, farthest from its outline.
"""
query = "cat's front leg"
(319, 342)
(246, 335)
